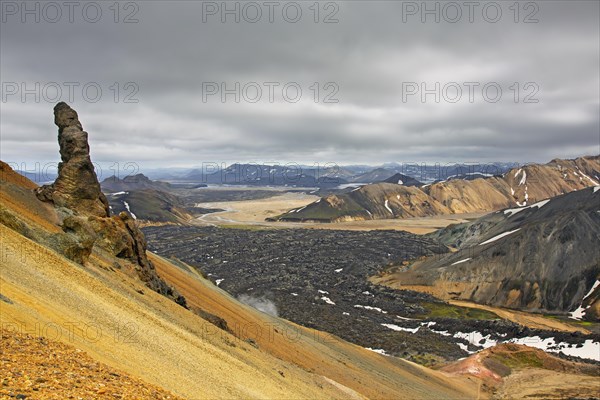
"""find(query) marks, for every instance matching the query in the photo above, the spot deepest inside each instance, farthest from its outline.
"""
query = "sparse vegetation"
(444, 310)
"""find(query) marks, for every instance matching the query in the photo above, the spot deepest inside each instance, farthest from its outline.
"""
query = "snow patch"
(379, 351)
(500, 236)
(327, 300)
(580, 311)
(218, 281)
(464, 347)
(129, 210)
(476, 339)
(399, 328)
(443, 333)
(596, 284)
(339, 270)
(587, 177)
(523, 179)
(406, 319)
(461, 261)
(387, 205)
(513, 211)
(370, 308)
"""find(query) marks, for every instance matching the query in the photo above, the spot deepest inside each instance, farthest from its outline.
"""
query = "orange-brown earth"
(38, 367)
(512, 371)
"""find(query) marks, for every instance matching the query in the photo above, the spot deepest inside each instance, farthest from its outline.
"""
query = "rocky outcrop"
(77, 187)
(83, 213)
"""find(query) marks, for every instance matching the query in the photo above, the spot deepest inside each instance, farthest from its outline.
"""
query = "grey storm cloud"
(366, 61)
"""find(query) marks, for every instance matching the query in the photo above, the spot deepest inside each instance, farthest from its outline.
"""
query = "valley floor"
(530, 320)
(252, 214)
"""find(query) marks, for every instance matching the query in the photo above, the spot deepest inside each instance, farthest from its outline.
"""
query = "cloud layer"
(369, 61)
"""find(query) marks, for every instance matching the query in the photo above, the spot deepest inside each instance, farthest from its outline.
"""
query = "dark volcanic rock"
(84, 211)
(299, 271)
(318, 278)
(77, 186)
(401, 179)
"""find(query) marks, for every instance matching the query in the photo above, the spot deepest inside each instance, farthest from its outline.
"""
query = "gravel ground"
(35, 367)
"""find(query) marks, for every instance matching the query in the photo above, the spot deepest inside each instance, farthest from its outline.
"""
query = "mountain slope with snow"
(540, 257)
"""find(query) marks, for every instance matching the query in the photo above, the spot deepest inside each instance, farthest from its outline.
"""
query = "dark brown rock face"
(77, 187)
(85, 214)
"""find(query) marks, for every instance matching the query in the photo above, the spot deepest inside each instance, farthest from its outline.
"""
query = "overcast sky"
(374, 61)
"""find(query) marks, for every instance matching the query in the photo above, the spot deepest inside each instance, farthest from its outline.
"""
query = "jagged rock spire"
(77, 187)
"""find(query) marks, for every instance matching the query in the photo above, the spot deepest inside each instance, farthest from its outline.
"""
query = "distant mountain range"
(518, 187)
(271, 175)
(327, 176)
(132, 182)
(296, 175)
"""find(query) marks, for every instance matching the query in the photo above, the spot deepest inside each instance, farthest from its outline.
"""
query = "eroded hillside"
(543, 257)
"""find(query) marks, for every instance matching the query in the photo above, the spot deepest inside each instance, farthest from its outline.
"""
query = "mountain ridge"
(517, 187)
(541, 258)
